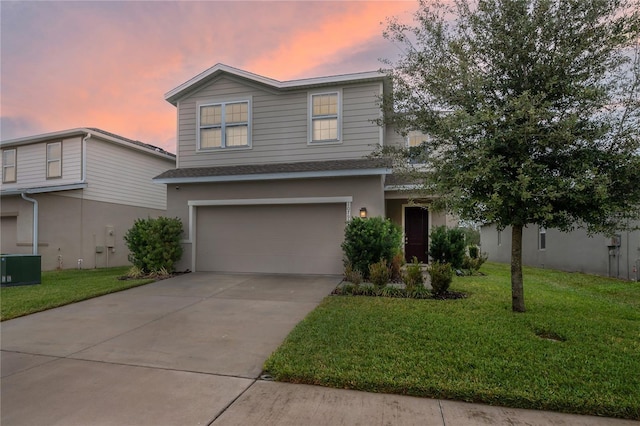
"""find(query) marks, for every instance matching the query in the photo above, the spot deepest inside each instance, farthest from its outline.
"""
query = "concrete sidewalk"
(189, 351)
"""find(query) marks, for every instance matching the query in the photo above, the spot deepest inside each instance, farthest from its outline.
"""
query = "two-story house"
(268, 172)
(70, 196)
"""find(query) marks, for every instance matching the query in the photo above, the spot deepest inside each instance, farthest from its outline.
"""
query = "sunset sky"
(108, 64)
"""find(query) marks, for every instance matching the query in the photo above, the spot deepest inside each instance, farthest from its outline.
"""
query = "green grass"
(60, 288)
(575, 350)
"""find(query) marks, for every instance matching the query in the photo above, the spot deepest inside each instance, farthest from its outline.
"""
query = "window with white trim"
(324, 117)
(224, 125)
(8, 165)
(415, 138)
(54, 160)
(542, 238)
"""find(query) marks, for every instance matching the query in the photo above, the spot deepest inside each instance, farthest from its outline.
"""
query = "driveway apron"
(178, 351)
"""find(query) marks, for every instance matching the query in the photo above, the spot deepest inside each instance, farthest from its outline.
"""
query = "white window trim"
(310, 140)
(14, 165)
(51, 161)
(223, 102)
(542, 231)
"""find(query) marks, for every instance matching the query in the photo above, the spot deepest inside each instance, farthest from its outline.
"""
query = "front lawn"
(61, 288)
(576, 349)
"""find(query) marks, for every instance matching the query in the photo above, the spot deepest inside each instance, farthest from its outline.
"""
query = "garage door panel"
(300, 239)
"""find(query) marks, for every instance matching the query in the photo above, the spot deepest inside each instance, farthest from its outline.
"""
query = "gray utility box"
(20, 269)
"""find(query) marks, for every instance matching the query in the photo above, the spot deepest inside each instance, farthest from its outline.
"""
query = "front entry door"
(416, 229)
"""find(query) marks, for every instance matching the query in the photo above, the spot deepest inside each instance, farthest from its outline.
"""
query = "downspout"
(84, 157)
(35, 221)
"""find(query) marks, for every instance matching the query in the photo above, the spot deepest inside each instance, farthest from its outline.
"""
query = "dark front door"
(416, 228)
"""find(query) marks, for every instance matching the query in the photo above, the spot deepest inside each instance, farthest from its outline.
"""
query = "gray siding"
(31, 164)
(279, 125)
(121, 175)
(568, 251)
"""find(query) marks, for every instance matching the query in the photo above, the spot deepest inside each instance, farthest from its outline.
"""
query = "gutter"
(35, 221)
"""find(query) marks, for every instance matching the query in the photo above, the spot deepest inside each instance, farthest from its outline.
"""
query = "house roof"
(83, 131)
(215, 71)
(299, 170)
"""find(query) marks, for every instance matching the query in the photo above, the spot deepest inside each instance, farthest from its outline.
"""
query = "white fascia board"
(44, 189)
(271, 201)
(275, 176)
(172, 95)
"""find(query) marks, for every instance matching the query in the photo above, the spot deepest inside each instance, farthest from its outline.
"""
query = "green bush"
(447, 246)
(155, 244)
(413, 276)
(379, 273)
(351, 275)
(396, 267)
(441, 277)
(367, 240)
(473, 264)
(474, 252)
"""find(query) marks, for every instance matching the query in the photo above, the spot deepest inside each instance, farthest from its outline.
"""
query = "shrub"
(379, 273)
(441, 277)
(367, 240)
(396, 267)
(473, 264)
(474, 251)
(351, 275)
(155, 244)
(447, 246)
(413, 276)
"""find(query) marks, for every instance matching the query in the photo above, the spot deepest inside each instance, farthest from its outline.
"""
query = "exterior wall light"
(363, 212)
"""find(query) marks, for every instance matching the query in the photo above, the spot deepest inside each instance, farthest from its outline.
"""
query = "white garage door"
(290, 239)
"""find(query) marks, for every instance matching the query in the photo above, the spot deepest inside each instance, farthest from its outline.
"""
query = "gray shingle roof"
(259, 169)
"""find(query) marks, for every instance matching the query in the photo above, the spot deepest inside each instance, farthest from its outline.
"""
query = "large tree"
(532, 111)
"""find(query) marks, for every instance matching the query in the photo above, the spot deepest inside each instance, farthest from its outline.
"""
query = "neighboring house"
(269, 172)
(574, 251)
(87, 186)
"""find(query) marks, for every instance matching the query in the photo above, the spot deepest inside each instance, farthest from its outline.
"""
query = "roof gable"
(221, 69)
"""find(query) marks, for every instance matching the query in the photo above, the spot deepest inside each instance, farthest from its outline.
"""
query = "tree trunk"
(517, 288)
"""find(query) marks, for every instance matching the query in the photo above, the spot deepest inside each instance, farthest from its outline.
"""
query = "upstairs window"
(415, 138)
(8, 165)
(325, 117)
(54, 160)
(224, 125)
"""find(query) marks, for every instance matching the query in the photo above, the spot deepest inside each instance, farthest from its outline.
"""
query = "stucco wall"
(575, 251)
(70, 228)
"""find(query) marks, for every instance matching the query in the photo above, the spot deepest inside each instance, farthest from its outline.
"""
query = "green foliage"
(441, 276)
(413, 277)
(447, 246)
(351, 275)
(473, 264)
(367, 240)
(155, 244)
(471, 236)
(396, 267)
(531, 107)
(474, 251)
(379, 273)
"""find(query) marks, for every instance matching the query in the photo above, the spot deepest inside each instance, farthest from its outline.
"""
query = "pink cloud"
(108, 64)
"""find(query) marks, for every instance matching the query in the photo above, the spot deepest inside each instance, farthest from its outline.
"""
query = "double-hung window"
(54, 160)
(8, 165)
(324, 117)
(224, 125)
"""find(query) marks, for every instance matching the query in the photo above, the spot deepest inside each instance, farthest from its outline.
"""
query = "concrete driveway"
(189, 351)
(178, 351)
